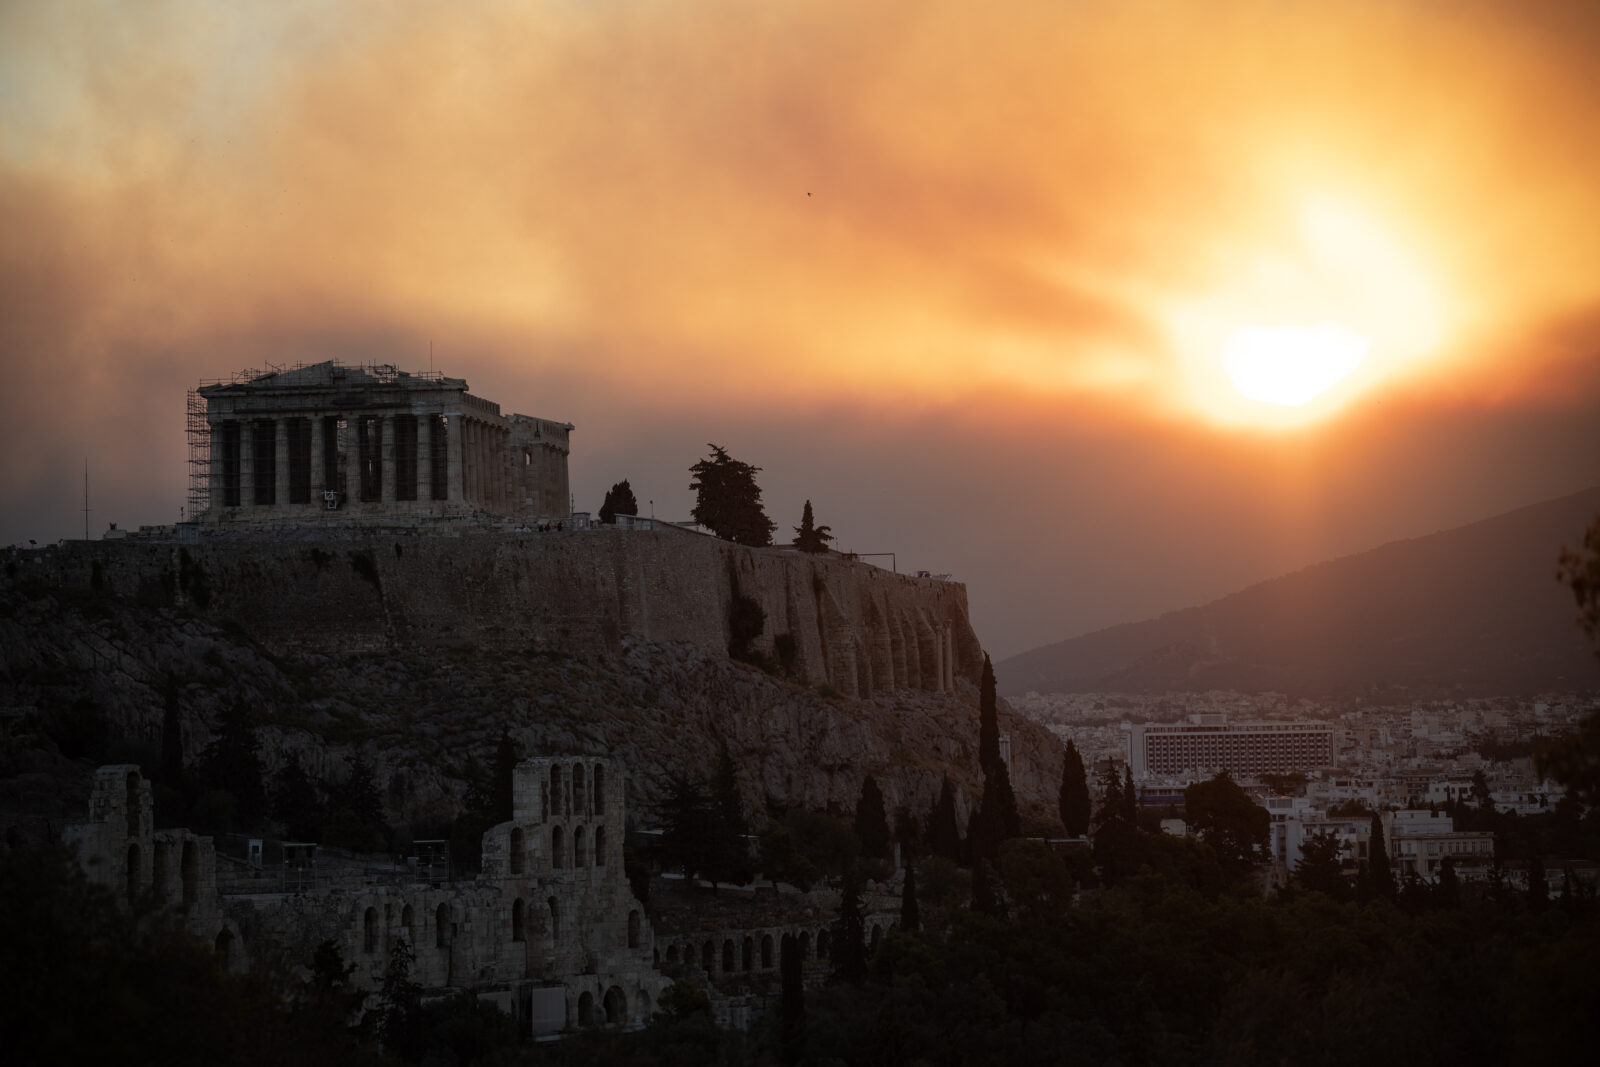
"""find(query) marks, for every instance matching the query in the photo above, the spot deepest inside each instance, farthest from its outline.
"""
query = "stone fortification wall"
(853, 626)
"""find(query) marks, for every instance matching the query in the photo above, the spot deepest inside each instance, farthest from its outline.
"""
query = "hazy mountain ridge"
(1475, 609)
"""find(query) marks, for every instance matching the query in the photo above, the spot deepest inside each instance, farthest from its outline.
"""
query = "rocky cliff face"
(421, 651)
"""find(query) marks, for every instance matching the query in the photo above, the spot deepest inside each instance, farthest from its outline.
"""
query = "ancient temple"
(368, 444)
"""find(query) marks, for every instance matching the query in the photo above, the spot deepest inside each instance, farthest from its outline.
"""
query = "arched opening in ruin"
(585, 1009)
(224, 948)
(877, 936)
(557, 848)
(747, 958)
(672, 953)
(555, 920)
(802, 944)
(518, 919)
(369, 931)
(579, 858)
(823, 945)
(599, 846)
(518, 850)
(727, 956)
(599, 790)
(616, 1007)
(577, 790)
(405, 922)
(441, 927)
(633, 929)
(644, 1004)
(766, 952)
(189, 871)
(555, 791)
(133, 871)
(708, 957)
(544, 802)
(132, 803)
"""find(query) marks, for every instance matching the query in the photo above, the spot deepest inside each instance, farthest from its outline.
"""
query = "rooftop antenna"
(430, 355)
(86, 498)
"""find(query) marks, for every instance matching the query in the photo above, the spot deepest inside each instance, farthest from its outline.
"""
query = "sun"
(1291, 365)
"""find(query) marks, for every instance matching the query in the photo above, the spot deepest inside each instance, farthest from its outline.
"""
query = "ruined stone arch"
(599, 846)
(557, 848)
(585, 1008)
(578, 796)
(616, 1005)
(747, 957)
(518, 851)
(599, 789)
(518, 921)
(369, 931)
(580, 857)
(225, 948)
(766, 952)
(634, 925)
(803, 945)
(727, 956)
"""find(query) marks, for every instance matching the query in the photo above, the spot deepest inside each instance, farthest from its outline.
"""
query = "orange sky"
(959, 276)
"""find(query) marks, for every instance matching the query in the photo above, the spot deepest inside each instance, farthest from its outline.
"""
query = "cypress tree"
(792, 1018)
(850, 933)
(1074, 798)
(1130, 798)
(944, 834)
(730, 858)
(910, 914)
(988, 722)
(810, 537)
(1112, 808)
(1383, 884)
(872, 823)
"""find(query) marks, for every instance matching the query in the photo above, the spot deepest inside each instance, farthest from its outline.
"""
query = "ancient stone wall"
(849, 625)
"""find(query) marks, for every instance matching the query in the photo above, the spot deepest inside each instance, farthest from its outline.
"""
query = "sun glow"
(1301, 324)
(1291, 365)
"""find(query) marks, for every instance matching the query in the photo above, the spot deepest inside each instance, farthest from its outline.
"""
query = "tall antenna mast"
(86, 498)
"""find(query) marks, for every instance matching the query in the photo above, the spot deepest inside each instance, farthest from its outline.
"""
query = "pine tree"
(809, 537)
(1130, 798)
(1383, 884)
(872, 824)
(988, 723)
(1112, 809)
(619, 501)
(728, 500)
(231, 764)
(400, 1021)
(910, 914)
(944, 833)
(1074, 798)
(687, 817)
(850, 933)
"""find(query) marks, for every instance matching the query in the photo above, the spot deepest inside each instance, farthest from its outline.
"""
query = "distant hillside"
(1471, 610)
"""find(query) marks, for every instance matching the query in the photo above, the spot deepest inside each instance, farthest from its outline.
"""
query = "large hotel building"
(1209, 743)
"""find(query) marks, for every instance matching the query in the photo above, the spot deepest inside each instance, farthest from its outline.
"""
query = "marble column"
(386, 435)
(453, 457)
(215, 493)
(424, 457)
(247, 462)
(318, 462)
(280, 462)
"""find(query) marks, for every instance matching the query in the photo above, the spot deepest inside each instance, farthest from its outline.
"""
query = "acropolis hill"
(418, 630)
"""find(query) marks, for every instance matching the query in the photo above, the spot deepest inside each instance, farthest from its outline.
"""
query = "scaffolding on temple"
(198, 430)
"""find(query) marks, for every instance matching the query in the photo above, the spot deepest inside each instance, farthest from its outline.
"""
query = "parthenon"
(371, 443)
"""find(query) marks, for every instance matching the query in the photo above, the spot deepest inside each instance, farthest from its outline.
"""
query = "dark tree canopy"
(1074, 797)
(850, 933)
(728, 500)
(1574, 761)
(910, 914)
(1225, 817)
(872, 822)
(295, 802)
(619, 501)
(1321, 866)
(809, 537)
